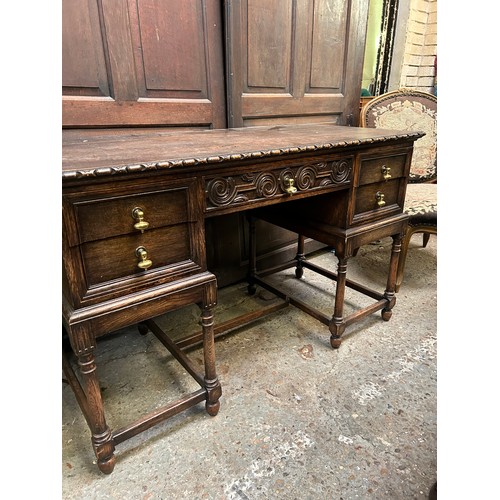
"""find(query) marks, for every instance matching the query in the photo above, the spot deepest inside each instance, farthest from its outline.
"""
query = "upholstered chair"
(407, 109)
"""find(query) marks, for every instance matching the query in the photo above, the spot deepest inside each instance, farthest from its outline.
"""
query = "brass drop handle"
(380, 198)
(290, 188)
(144, 263)
(138, 214)
(386, 172)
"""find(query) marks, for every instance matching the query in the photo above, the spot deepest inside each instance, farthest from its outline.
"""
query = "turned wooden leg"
(102, 440)
(89, 397)
(252, 259)
(299, 270)
(392, 276)
(337, 323)
(212, 383)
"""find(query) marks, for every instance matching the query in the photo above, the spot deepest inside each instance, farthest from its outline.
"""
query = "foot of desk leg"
(104, 451)
(335, 341)
(108, 466)
(214, 392)
(391, 302)
(337, 328)
(386, 314)
(212, 409)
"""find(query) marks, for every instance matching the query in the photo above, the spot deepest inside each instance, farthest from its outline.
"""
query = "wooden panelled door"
(295, 60)
(135, 63)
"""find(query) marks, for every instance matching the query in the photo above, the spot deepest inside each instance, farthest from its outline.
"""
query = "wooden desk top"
(92, 153)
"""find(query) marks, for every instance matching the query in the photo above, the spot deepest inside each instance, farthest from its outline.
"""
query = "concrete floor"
(298, 420)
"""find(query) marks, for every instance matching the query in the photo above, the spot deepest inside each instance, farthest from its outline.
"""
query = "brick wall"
(418, 71)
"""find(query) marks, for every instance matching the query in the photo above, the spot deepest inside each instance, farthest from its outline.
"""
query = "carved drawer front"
(105, 218)
(374, 201)
(254, 187)
(129, 255)
(382, 169)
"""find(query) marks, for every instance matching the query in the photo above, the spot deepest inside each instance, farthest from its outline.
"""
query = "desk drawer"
(116, 258)
(375, 200)
(102, 242)
(105, 218)
(260, 187)
(382, 168)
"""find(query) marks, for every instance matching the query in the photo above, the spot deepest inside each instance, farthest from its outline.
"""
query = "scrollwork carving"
(221, 191)
(341, 170)
(224, 191)
(306, 176)
(266, 185)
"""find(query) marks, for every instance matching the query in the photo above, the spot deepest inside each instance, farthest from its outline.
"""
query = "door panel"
(290, 59)
(328, 44)
(143, 63)
(171, 61)
(268, 55)
(83, 65)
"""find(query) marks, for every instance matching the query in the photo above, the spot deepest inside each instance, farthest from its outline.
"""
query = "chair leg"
(426, 230)
(425, 239)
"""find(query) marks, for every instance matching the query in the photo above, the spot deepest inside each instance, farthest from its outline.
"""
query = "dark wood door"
(134, 63)
(295, 61)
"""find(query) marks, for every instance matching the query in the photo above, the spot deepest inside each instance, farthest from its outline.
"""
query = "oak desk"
(134, 207)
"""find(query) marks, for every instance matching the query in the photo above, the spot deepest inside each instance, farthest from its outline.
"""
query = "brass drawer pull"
(380, 198)
(144, 263)
(386, 172)
(290, 188)
(138, 215)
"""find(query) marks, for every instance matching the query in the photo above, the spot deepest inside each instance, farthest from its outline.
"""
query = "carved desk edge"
(75, 174)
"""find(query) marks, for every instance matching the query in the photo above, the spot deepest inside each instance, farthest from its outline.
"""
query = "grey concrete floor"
(298, 420)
